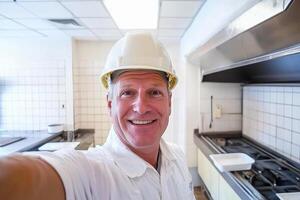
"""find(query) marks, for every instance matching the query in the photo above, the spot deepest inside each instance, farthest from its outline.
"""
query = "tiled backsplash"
(226, 95)
(32, 94)
(90, 106)
(271, 116)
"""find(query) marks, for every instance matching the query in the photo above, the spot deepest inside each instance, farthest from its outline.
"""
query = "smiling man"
(140, 107)
(135, 162)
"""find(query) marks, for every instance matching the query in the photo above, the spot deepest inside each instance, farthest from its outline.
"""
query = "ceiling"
(29, 19)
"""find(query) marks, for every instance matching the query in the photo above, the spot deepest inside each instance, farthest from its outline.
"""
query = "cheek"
(119, 109)
(164, 109)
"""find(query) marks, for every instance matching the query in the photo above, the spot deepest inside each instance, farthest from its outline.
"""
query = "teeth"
(141, 121)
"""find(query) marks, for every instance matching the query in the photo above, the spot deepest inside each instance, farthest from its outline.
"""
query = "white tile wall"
(32, 84)
(228, 96)
(90, 108)
(32, 96)
(271, 116)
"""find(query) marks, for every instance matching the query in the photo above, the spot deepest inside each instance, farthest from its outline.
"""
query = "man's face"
(140, 108)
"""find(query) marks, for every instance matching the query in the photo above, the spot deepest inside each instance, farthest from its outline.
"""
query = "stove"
(270, 174)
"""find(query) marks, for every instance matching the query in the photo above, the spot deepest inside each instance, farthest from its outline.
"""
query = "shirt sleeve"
(75, 171)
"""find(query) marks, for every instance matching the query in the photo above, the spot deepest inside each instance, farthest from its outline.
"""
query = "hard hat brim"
(106, 75)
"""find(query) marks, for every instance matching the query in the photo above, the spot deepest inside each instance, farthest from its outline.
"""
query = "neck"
(149, 155)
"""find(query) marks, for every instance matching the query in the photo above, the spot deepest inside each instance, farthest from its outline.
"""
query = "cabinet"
(214, 182)
(225, 191)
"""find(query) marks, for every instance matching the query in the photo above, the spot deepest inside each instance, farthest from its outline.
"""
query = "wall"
(90, 108)
(271, 117)
(172, 133)
(226, 95)
(34, 82)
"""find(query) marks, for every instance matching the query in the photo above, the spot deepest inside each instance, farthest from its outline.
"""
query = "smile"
(141, 122)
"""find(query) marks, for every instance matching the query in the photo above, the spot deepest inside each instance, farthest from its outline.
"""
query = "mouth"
(141, 122)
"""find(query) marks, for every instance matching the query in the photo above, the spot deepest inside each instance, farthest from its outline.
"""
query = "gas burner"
(235, 142)
(256, 155)
(269, 174)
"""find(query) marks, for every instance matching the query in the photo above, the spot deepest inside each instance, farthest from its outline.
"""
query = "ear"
(170, 103)
(109, 102)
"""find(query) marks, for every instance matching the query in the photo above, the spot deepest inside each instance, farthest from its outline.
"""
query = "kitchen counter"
(207, 150)
(33, 139)
(86, 141)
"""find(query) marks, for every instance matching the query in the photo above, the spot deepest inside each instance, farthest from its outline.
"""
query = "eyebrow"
(152, 85)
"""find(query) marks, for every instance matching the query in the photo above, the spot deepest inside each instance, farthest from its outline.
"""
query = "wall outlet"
(218, 111)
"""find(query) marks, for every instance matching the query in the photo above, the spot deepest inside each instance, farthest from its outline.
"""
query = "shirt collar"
(129, 162)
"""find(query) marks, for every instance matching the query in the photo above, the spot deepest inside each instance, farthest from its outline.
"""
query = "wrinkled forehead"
(115, 75)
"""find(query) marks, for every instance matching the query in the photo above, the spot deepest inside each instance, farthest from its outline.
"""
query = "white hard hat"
(138, 51)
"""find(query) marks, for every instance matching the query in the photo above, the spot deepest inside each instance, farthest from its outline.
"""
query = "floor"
(199, 194)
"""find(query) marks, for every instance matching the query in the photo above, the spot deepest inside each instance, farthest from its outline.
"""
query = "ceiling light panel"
(179, 8)
(6, 24)
(86, 8)
(153, 32)
(174, 22)
(99, 23)
(134, 14)
(13, 10)
(50, 10)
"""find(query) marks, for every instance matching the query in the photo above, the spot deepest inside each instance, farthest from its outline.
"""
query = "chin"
(141, 144)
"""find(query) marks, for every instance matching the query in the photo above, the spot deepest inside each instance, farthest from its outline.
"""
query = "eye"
(156, 93)
(127, 93)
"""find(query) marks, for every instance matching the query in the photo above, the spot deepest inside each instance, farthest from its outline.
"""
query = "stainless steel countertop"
(208, 150)
(32, 139)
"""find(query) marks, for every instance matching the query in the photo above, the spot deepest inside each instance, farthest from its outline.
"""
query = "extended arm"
(27, 177)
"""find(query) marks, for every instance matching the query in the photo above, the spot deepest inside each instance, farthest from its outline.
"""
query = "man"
(134, 163)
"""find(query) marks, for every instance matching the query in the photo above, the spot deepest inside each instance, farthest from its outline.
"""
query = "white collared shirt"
(114, 172)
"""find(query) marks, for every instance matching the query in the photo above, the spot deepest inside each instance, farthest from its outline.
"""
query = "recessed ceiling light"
(134, 14)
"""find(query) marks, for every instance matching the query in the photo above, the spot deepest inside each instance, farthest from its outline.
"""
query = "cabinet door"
(213, 181)
(203, 167)
(226, 192)
(209, 175)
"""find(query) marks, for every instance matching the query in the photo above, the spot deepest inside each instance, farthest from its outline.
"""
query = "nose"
(141, 104)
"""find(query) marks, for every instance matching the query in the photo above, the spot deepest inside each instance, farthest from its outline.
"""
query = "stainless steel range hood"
(266, 52)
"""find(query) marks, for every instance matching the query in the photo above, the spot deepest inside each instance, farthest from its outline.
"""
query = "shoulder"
(85, 174)
(82, 163)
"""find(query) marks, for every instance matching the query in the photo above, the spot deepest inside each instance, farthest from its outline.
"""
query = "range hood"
(268, 52)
